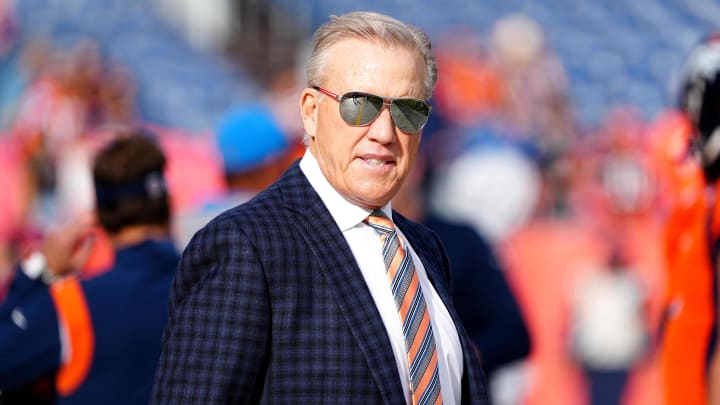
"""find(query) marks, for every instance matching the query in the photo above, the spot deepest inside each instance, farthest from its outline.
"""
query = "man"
(690, 357)
(287, 298)
(100, 337)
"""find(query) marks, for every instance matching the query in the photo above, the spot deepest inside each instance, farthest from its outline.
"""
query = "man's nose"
(382, 128)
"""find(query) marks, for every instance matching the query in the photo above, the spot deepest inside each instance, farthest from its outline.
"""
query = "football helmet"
(700, 101)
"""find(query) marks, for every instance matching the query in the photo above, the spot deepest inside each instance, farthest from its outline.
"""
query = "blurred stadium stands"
(615, 52)
(178, 86)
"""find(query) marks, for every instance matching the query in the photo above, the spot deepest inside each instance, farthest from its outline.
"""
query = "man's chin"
(368, 199)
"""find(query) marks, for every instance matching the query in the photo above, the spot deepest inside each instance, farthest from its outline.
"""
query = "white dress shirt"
(366, 247)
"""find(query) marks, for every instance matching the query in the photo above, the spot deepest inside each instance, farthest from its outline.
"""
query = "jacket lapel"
(327, 244)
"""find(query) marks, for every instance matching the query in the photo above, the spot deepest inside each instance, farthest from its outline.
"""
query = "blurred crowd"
(576, 216)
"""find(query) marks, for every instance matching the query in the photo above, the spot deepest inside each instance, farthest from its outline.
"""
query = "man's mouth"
(376, 162)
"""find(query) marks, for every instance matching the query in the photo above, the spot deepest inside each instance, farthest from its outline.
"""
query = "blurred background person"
(254, 152)
(691, 363)
(98, 337)
(536, 94)
(608, 330)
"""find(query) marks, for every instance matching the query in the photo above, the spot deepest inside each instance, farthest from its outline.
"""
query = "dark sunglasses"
(359, 109)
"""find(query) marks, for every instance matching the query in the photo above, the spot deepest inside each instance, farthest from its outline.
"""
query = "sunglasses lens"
(359, 109)
(410, 115)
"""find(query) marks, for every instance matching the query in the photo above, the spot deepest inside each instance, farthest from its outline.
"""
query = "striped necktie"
(410, 302)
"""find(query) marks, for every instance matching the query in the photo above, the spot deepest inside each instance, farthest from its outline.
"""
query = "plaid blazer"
(258, 311)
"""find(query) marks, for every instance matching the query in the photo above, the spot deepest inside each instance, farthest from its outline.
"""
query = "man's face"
(366, 164)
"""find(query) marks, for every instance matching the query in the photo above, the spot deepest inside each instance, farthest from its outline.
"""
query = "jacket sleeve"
(215, 346)
(29, 333)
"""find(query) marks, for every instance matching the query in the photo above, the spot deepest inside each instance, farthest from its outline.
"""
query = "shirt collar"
(345, 213)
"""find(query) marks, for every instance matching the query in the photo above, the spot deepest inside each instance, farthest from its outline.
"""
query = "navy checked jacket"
(269, 306)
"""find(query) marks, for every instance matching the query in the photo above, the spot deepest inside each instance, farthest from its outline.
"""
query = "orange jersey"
(689, 302)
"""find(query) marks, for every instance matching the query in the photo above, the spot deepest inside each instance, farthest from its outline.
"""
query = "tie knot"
(378, 213)
(378, 220)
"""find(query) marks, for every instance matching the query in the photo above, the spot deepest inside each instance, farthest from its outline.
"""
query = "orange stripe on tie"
(408, 298)
(425, 380)
(74, 316)
(394, 267)
(413, 350)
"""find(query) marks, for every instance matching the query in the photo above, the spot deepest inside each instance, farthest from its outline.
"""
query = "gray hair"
(369, 26)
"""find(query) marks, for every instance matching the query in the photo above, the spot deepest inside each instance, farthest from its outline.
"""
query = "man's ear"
(309, 110)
